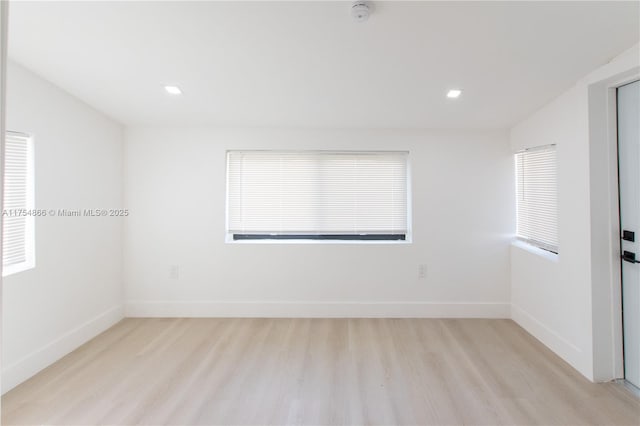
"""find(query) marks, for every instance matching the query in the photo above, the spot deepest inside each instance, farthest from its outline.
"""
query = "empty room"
(320, 212)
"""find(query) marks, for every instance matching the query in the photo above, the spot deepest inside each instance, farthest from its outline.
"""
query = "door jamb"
(616, 268)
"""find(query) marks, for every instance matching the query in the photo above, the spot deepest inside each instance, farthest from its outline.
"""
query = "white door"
(629, 170)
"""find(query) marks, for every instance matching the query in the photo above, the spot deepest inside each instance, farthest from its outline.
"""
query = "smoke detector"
(360, 11)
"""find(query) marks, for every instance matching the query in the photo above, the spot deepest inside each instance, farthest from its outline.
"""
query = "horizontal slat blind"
(16, 181)
(537, 197)
(316, 192)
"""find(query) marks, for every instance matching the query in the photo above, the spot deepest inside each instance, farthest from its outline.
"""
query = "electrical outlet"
(174, 272)
(422, 271)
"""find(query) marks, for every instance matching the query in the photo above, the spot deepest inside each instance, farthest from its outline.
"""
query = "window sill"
(229, 240)
(525, 246)
(17, 268)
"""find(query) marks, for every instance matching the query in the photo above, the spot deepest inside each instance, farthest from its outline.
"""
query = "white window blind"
(17, 235)
(537, 197)
(317, 193)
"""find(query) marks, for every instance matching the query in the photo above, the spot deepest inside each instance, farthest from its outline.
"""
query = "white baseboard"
(268, 309)
(551, 339)
(39, 359)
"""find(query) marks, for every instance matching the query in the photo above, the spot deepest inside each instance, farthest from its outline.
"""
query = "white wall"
(566, 301)
(463, 222)
(75, 290)
(550, 292)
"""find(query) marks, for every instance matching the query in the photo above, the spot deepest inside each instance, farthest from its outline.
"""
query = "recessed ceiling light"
(173, 90)
(454, 93)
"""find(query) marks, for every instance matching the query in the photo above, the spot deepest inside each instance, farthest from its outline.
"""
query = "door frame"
(606, 273)
(617, 276)
(4, 20)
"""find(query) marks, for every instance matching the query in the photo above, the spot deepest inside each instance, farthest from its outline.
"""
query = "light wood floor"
(315, 371)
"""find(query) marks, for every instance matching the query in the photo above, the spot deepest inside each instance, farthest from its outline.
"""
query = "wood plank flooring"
(315, 371)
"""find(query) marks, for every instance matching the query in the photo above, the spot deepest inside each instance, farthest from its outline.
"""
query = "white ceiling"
(309, 64)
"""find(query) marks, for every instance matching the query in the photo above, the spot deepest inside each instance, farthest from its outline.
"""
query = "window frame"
(297, 238)
(533, 242)
(29, 242)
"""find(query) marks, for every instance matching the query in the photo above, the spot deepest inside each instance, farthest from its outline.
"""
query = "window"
(18, 224)
(317, 195)
(537, 197)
